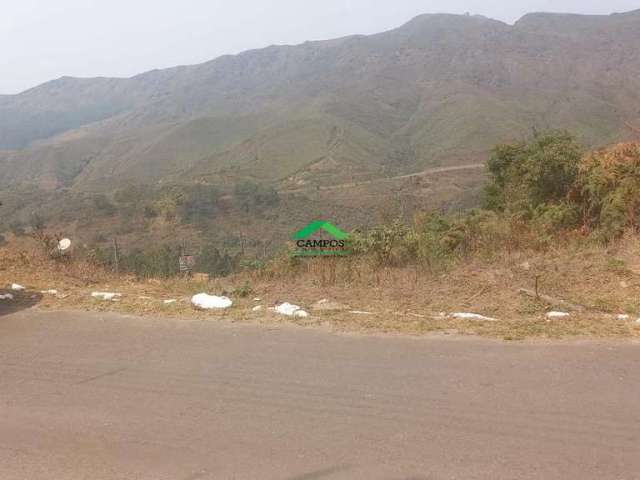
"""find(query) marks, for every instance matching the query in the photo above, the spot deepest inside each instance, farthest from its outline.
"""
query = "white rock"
(472, 316)
(209, 302)
(257, 299)
(7, 296)
(106, 295)
(291, 310)
(558, 315)
(17, 287)
(257, 308)
(623, 317)
(49, 292)
(170, 302)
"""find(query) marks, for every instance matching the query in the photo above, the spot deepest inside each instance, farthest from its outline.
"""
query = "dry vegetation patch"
(551, 238)
(596, 279)
(602, 280)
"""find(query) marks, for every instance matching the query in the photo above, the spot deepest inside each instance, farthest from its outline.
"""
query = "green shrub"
(214, 262)
(255, 197)
(244, 291)
(526, 175)
(554, 218)
(161, 262)
(198, 203)
(385, 245)
(102, 205)
(608, 189)
(433, 238)
(150, 212)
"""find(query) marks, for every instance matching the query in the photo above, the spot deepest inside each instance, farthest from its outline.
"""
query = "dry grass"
(606, 281)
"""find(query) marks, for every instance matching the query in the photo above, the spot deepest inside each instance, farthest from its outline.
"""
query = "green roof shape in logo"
(313, 227)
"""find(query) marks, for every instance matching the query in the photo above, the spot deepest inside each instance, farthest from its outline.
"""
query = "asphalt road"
(97, 396)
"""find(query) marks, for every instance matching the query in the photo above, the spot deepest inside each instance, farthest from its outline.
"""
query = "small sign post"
(187, 263)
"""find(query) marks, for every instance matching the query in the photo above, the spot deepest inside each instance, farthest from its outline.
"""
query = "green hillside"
(438, 91)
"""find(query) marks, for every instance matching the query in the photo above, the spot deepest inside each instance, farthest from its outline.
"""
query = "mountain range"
(440, 90)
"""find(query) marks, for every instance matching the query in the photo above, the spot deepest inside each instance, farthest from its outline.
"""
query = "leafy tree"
(131, 194)
(251, 196)
(528, 175)
(150, 212)
(199, 203)
(215, 263)
(103, 205)
(608, 189)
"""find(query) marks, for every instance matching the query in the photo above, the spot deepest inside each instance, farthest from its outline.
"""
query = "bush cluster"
(539, 192)
(608, 189)
(432, 239)
(163, 261)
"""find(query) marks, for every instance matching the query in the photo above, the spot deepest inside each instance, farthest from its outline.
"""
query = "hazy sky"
(44, 39)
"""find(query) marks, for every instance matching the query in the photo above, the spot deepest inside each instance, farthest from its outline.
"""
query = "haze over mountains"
(439, 90)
